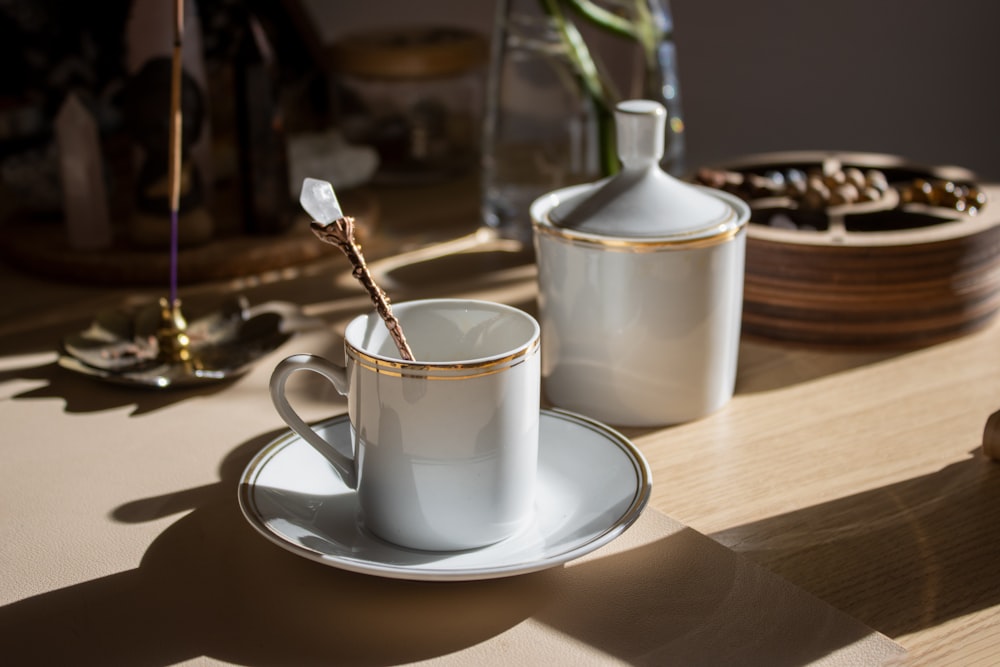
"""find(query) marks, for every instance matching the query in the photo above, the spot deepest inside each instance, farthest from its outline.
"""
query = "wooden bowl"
(888, 273)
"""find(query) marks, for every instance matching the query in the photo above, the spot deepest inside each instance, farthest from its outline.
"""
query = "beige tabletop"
(845, 494)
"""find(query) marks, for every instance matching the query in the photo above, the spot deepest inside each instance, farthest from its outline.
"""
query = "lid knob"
(640, 130)
(642, 200)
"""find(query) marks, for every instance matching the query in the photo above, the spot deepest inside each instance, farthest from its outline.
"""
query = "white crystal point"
(319, 201)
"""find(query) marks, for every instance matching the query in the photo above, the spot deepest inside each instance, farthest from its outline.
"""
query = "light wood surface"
(859, 477)
(863, 480)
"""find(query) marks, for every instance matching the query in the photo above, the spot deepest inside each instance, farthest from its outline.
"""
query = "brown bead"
(877, 180)
(795, 189)
(834, 179)
(869, 193)
(817, 195)
(845, 193)
(795, 183)
(759, 186)
(923, 191)
(975, 196)
(855, 177)
(946, 197)
(939, 191)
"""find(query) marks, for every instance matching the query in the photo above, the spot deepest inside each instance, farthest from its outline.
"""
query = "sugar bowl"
(640, 287)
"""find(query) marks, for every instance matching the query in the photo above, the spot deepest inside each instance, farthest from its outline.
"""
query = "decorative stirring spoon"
(331, 226)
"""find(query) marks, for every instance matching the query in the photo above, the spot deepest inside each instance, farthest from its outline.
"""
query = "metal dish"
(121, 346)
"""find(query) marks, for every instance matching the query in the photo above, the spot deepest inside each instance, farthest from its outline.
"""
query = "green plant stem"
(598, 89)
(648, 35)
(602, 18)
(576, 48)
(642, 29)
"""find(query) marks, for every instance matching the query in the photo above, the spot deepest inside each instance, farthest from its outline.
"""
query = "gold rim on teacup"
(431, 370)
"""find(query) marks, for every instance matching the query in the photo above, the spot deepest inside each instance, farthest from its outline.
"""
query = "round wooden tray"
(41, 247)
(883, 274)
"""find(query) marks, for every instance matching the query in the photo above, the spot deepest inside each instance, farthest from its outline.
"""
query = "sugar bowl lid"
(642, 200)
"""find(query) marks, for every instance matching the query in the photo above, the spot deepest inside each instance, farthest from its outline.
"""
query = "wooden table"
(858, 477)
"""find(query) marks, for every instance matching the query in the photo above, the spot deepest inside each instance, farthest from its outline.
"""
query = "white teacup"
(445, 447)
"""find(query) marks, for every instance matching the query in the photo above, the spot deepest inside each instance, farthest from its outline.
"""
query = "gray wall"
(917, 78)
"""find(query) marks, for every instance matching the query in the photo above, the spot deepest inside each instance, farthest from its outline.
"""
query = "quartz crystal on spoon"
(331, 226)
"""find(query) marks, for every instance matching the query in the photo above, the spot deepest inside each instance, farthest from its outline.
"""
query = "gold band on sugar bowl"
(441, 370)
(724, 232)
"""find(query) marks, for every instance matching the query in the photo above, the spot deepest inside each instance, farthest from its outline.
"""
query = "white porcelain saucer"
(592, 485)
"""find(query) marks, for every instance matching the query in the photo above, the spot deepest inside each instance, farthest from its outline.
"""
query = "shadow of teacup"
(209, 585)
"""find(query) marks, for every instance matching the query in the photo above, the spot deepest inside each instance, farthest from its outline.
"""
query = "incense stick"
(174, 155)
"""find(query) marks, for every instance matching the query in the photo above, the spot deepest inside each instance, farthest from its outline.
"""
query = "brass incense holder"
(171, 337)
(155, 346)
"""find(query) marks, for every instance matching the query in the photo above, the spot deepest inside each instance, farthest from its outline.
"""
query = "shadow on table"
(209, 585)
(900, 558)
(768, 365)
(83, 394)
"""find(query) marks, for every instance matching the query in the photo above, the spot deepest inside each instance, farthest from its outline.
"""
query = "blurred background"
(914, 78)
(917, 78)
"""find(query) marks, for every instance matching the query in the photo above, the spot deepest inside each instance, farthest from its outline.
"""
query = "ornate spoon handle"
(340, 233)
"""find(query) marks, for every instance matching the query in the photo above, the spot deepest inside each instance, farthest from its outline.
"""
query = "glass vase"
(557, 70)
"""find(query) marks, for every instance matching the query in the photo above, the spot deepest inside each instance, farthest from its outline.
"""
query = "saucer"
(592, 485)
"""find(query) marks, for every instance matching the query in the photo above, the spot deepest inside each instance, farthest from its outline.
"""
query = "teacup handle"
(337, 376)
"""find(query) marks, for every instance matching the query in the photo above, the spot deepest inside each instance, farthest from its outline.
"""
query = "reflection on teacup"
(445, 446)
